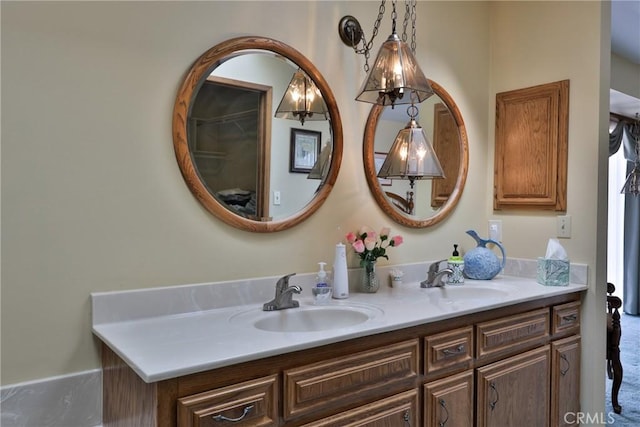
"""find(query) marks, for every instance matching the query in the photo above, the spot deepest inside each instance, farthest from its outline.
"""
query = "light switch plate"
(495, 230)
(276, 198)
(564, 226)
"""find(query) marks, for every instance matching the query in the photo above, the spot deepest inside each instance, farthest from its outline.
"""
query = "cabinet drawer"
(251, 403)
(398, 410)
(566, 318)
(448, 351)
(342, 381)
(513, 333)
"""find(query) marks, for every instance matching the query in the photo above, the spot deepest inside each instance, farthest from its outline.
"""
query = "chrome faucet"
(284, 295)
(435, 275)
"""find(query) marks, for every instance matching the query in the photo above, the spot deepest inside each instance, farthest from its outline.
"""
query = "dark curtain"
(627, 135)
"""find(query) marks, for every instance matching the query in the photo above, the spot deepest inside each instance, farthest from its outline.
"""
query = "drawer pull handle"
(443, 405)
(234, 420)
(492, 405)
(570, 317)
(458, 350)
(563, 371)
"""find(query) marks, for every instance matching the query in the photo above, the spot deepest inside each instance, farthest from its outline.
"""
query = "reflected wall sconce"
(395, 75)
(302, 100)
(632, 183)
(411, 156)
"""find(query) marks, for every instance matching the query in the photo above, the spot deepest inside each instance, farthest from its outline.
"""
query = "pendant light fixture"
(632, 183)
(411, 156)
(395, 74)
(302, 100)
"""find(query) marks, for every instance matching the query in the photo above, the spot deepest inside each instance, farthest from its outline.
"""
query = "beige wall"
(570, 45)
(624, 76)
(93, 200)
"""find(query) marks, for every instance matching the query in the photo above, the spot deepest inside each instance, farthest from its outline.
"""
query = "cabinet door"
(400, 410)
(515, 391)
(449, 402)
(565, 381)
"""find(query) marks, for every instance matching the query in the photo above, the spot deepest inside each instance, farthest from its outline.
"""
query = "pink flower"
(351, 237)
(385, 231)
(370, 243)
(396, 240)
(358, 246)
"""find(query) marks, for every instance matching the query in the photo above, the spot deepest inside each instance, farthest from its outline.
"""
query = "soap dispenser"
(456, 264)
(340, 273)
(321, 291)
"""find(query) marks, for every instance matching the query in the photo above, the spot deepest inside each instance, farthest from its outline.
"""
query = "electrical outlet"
(495, 230)
(276, 198)
(564, 226)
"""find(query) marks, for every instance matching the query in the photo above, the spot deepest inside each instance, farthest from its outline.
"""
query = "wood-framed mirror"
(429, 201)
(235, 154)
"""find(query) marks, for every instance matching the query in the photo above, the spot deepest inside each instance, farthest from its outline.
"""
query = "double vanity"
(486, 353)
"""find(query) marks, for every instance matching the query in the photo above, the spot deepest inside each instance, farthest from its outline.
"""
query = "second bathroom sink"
(308, 318)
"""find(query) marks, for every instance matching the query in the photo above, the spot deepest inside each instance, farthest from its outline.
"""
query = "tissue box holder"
(552, 272)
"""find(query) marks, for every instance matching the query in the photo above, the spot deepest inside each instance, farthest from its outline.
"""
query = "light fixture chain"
(394, 16)
(413, 26)
(366, 49)
(405, 21)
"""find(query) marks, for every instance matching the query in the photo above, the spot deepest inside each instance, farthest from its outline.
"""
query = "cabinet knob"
(492, 405)
(563, 371)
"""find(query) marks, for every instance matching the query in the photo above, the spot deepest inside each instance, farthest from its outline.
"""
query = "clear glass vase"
(369, 281)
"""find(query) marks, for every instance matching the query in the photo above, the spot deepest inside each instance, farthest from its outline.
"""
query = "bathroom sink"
(308, 318)
(458, 296)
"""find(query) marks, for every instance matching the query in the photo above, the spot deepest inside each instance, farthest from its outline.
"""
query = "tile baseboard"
(73, 400)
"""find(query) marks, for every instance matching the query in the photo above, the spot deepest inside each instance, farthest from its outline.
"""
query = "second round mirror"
(428, 201)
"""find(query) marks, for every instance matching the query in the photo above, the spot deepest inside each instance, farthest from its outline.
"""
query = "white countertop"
(161, 338)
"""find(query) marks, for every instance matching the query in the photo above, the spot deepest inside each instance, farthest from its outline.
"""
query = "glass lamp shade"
(632, 184)
(321, 168)
(302, 100)
(411, 156)
(394, 75)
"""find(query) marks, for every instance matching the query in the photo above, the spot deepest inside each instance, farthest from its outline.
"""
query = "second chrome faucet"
(435, 276)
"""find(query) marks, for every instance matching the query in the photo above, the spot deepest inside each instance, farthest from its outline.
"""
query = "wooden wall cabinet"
(532, 134)
(516, 365)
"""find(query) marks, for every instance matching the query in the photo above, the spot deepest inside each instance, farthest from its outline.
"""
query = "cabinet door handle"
(570, 317)
(458, 350)
(245, 411)
(443, 405)
(407, 418)
(492, 385)
(563, 371)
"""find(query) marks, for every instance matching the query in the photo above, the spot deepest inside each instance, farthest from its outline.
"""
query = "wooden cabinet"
(448, 402)
(565, 381)
(512, 366)
(515, 391)
(532, 134)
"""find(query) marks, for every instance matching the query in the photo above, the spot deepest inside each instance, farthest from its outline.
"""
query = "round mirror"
(427, 202)
(250, 151)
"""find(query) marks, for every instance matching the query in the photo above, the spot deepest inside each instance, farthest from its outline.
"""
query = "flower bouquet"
(370, 246)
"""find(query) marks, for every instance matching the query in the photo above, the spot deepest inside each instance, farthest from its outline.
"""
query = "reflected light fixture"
(411, 156)
(321, 168)
(395, 74)
(632, 183)
(302, 100)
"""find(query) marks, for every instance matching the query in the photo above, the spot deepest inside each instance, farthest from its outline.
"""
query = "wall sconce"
(632, 183)
(302, 100)
(395, 74)
(411, 156)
